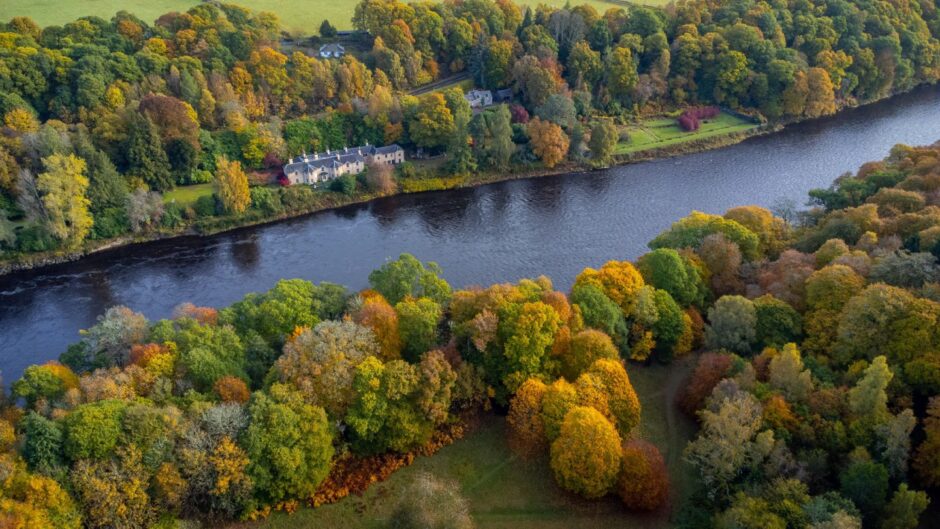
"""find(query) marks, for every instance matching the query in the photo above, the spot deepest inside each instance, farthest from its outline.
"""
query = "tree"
(417, 325)
(644, 480)
(381, 317)
(42, 447)
(666, 269)
(866, 484)
(491, 131)
(109, 340)
(526, 429)
(868, 397)
(145, 155)
(548, 141)
(904, 509)
(289, 443)
(431, 503)
(622, 76)
(732, 324)
(144, 209)
(730, 442)
(600, 312)
(527, 332)
(321, 363)
(927, 458)
(618, 280)
(777, 322)
(407, 276)
(604, 138)
(433, 123)
(585, 458)
(231, 185)
(691, 231)
(92, 430)
(327, 30)
(62, 187)
(586, 347)
(786, 374)
(621, 398)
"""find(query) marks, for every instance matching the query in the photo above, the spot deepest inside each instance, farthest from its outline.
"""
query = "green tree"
(604, 138)
(92, 430)
(145, 155)
(866, 484)
(777, 322)
(491, 131)
(904, 509)
(666, 269)
(289, 443)
(732, 324)
(407, 276)
(433, 123)
(417, 325)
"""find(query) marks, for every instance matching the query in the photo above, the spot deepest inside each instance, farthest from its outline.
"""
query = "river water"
(501, 232)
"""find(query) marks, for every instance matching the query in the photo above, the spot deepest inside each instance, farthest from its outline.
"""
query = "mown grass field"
(662, 132)
(506, 492)
(188, 195)
(297, 16)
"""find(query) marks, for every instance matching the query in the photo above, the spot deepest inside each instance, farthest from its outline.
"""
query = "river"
(500, 232)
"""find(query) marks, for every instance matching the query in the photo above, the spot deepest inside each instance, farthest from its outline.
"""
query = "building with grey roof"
(323, 167)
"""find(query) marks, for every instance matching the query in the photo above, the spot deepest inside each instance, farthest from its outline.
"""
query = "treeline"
(99, 117)
(818, 350)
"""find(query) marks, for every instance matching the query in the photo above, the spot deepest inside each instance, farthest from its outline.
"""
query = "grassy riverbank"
(505, 491)
(708, 137)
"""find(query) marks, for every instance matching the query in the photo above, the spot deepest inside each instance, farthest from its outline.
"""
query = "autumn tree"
(407, 276)
(431, 503)
(63, 187)
(586, 456)
(927, 458)
(644, 480)
(586, 347)
(549, 142)
(417, 325)
(526, 430)
(231, 185)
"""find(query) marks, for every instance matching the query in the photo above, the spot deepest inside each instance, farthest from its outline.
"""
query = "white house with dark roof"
(479, 98)
(323, 167)
(332, 51)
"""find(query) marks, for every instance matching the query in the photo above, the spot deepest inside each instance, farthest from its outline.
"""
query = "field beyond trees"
(298, 17)
(664, 132)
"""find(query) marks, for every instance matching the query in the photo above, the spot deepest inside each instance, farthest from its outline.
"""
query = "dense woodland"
(817, 382)
(99, 118)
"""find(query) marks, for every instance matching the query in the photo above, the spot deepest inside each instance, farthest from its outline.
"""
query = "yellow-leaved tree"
(231, 185)
(62, 187)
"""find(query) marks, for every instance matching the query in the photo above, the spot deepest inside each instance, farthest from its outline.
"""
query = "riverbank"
(214, 225)
(325, 202)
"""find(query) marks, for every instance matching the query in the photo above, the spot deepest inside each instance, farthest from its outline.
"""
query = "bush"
(206, 206)
(644, 479)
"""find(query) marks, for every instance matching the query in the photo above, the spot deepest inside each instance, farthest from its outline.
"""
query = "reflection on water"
(501, 232)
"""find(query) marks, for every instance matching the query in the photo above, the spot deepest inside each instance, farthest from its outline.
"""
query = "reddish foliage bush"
(689, 120)
(711, 368)
(518, 114)
(353, 475)
(644, 480)
(232, 389)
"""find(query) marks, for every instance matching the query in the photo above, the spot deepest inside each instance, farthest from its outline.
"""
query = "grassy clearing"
(662, 132)
(187, 195)
(296, 16)
(506, 492)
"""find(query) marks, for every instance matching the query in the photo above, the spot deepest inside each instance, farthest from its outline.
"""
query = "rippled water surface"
(499, 232)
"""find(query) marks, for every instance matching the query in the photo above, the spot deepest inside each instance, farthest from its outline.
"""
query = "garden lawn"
(297, 16)
(506, 492)
(188, 195)
(662, 132)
